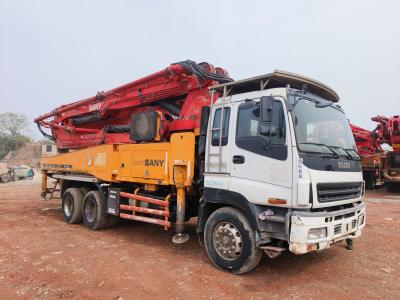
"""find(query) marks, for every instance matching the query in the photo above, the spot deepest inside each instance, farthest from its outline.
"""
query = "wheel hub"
(90, 210)
(227, 241)
(68, 205)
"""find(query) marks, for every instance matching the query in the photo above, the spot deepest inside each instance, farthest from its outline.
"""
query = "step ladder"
(152, 215)
(53, 192)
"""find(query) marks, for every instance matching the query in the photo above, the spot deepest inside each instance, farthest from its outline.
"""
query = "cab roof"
(276, 79)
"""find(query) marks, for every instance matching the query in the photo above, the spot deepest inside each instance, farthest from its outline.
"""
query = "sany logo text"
(154, 162)
(95, 106)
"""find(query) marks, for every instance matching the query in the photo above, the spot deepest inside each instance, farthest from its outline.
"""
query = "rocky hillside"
(29, 155)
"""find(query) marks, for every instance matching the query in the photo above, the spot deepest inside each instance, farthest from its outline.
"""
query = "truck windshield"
(321, 127)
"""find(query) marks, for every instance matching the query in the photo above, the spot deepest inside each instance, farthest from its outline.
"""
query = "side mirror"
(268, 130)
(266, 108)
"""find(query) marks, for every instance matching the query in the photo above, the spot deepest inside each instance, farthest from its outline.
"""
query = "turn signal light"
(277, 201)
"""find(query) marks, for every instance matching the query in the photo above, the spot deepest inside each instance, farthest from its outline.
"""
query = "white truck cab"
(280, 151)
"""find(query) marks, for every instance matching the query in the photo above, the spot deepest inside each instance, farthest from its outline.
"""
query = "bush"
(9, 143)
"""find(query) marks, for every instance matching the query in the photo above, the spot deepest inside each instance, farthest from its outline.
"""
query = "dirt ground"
(41, 257)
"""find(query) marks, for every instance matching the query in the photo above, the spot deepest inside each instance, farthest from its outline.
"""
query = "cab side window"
(248, 134)
(216, 130)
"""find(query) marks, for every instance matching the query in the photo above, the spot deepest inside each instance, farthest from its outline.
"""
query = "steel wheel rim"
(90, 210)
(227, 241)
(68, 205)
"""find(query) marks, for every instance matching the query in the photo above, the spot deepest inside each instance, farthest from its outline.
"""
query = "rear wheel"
(85, 190)
(72, 200)
(230, 241)
(94, 214)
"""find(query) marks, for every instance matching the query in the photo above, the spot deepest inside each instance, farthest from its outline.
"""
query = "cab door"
(261, 156)
(218, 150)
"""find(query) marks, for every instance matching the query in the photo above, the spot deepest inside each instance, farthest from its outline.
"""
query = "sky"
(56, 52)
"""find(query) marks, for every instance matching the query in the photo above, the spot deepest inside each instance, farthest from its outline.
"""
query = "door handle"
(238, 159)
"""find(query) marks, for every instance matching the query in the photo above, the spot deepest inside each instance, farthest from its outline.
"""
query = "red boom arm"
(178, 93)
(366, 142)
(388, 131)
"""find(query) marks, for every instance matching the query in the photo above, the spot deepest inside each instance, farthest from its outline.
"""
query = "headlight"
(316, 233)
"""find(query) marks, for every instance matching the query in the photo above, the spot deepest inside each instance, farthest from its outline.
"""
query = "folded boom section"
(177, 93)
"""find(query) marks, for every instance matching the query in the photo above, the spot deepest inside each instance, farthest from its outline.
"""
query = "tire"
(93, 211)
(226, 223)
(72, 200)
(85, 190)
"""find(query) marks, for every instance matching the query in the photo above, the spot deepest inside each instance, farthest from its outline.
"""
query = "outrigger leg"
(180, 236)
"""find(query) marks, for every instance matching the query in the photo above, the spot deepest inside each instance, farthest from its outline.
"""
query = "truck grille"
(353, 224)
(338, 191)
(337, 229)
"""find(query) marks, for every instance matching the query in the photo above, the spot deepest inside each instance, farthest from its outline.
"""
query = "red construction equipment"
(370, 150)
(388, 131)
(366, 141)
(176, 93)
(379, 165)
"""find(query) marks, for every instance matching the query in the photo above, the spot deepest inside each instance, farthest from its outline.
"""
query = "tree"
(13, 124)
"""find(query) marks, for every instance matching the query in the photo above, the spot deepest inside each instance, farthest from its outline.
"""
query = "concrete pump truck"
(266, 164)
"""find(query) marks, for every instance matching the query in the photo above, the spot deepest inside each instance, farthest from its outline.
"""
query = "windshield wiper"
(347, 151)
(333, 154)
(333, 148)
(350, 151)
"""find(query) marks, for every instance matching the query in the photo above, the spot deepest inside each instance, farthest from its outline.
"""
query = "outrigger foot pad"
(180, 238)
(349, 243)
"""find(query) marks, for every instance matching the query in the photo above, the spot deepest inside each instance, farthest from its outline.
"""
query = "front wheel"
(230, 241)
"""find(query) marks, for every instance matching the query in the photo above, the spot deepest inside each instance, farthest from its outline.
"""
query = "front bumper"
(341, 224)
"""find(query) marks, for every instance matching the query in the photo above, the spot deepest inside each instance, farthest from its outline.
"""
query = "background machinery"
(380, 165)
(373, 157)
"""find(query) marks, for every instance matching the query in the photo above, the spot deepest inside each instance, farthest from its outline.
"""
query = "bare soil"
(41, 257)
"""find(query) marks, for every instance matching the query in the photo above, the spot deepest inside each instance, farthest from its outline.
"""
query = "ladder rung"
(145, 210)
(146, 220)
(144, 199)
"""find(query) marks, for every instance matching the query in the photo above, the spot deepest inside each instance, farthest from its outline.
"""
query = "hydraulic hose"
(200, 71)
(46, 135)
